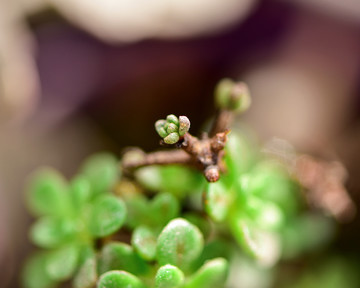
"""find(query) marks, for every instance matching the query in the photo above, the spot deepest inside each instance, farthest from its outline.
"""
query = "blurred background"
(77, 77)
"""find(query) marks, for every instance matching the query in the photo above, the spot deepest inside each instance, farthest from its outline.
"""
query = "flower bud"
(159, 127)
(172, 119)
(171, 128)
(232, 95)
(172, 138)
(184, 125)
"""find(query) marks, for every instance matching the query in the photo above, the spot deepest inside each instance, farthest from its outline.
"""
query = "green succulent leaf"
(218, 200)
(266, 214)
(179, 244)
(164, 207)
(137, 211)
(214, 249)
(199, 221)
(175, 179)
(86, 277)
(212, 275)
(80, 191)
(62, 263)
(270, 182)
(102, 171)
(261, 244)
(49, 232)
(35, 275)
(319, 230)
(240, 154)
(244, 234)
(169, 276)
(47, 193)
(119, 279)
(121, 256)
(144, 242)
(107, 215)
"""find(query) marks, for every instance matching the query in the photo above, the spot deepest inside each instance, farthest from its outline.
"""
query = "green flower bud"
(160, 129)
(232, 95)
(240, 97)
(160, 123)
(172, 138)
(184, 125)
(162, 132)
(172, 119)
(222, 93)
(171, 128)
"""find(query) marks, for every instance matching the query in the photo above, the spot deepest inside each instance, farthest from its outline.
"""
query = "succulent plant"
(167, 226)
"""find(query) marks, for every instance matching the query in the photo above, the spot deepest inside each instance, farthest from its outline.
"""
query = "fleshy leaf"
(49, 232)
(199, 221)
(47, 193)
(270, 182)
(107, 215)
(80, 191)
(266, 214)
(243, 233)
(218, 200)
(164, 207)
(211, 275)
(239, 154)
(87, 275)
(214, 249)
(102, 171)
(119, 279)
(121, 256)
(169, 276)
(35, 274)
(63, 262)
(137, 211)
(174, 179)
(179, 244)
(144, 242)
(261, 244)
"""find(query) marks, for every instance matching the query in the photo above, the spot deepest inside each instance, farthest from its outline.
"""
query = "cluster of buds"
(173, 128)
(234, 96)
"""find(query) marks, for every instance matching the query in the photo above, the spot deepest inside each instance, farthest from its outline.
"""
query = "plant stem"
(159, 158)
(222, 122)
(324, 183)
(204, 154)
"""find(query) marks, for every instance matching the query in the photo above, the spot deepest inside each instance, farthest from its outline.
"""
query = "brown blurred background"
(76, 78)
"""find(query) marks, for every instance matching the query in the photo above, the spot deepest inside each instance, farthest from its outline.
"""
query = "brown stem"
(324, 183)
(222, 122)
(204, 154)
(157, 158)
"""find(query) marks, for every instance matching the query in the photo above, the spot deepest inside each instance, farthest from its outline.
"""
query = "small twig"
(223, 120)
(203, 154)
(157, 158)
(324, 183)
